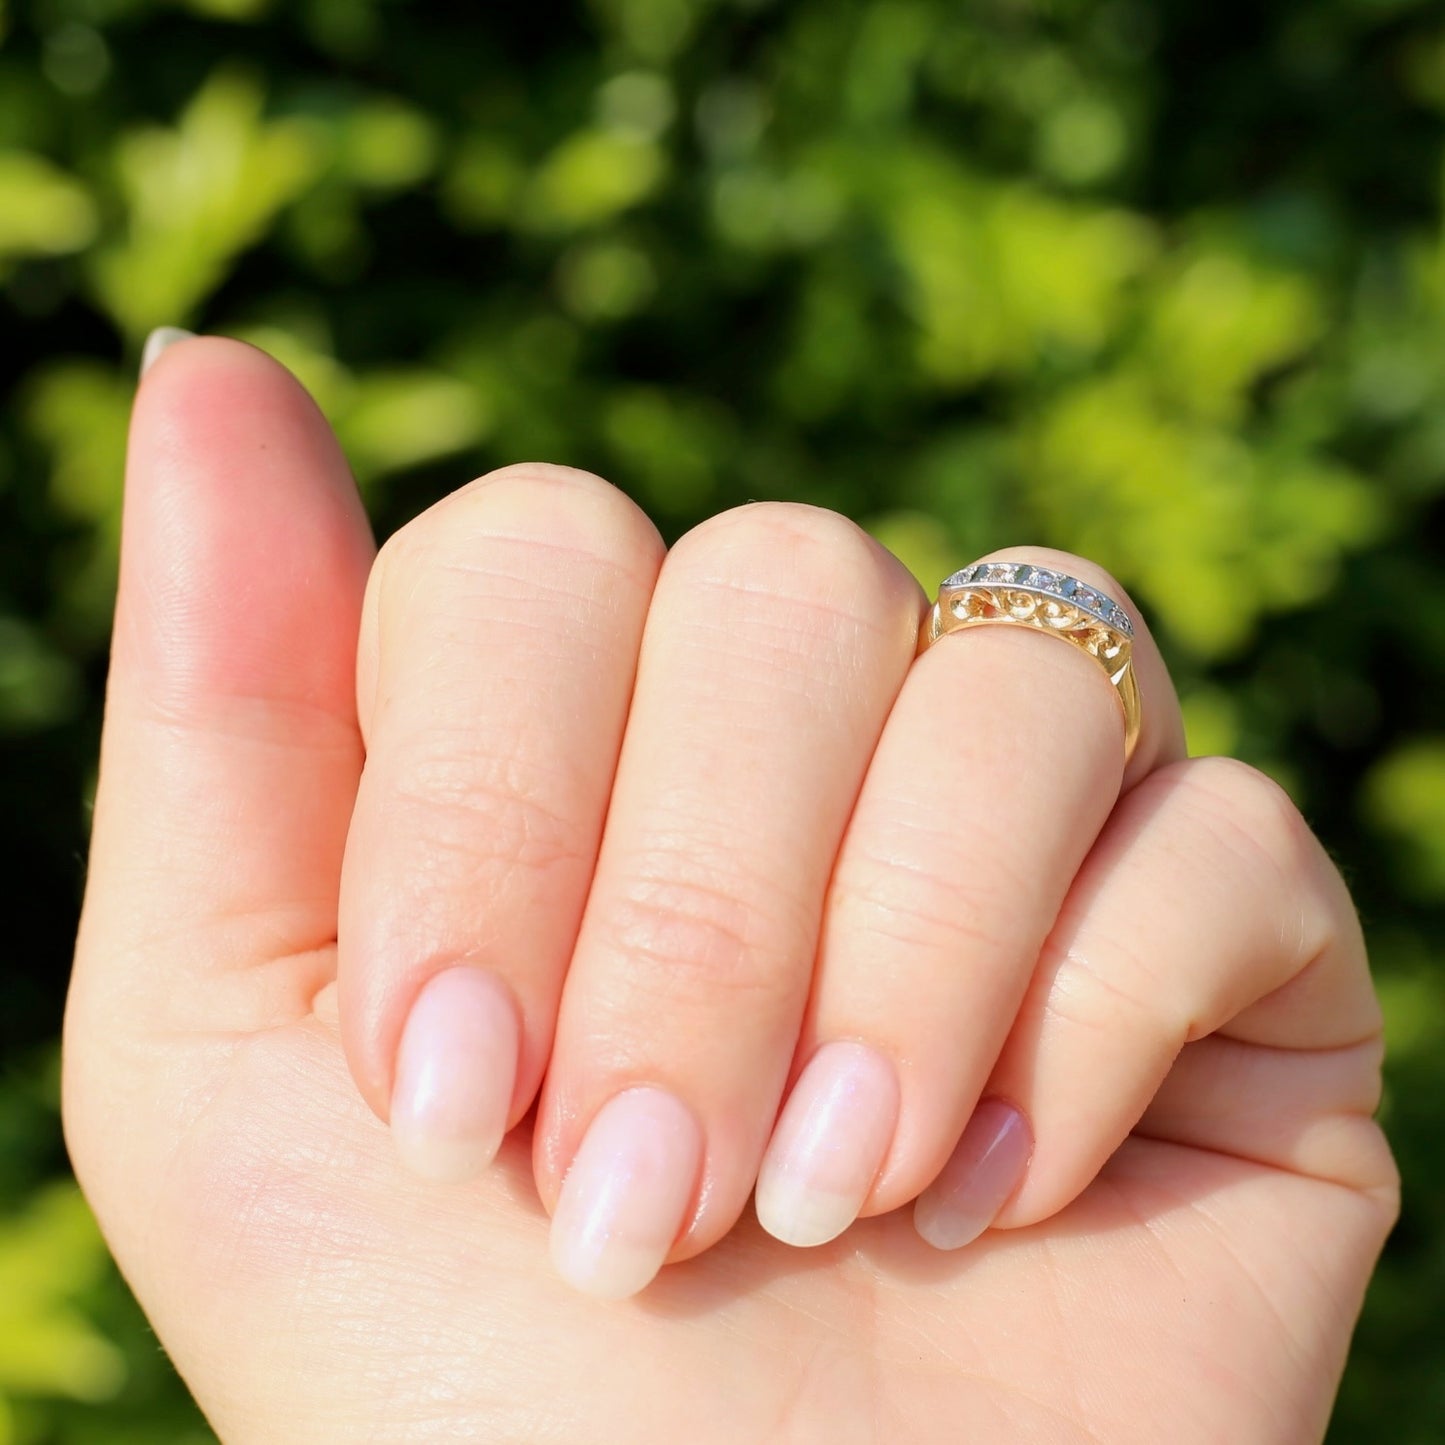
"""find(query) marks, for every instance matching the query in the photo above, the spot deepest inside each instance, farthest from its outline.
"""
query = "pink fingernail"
(158, 341)
(627, 1193)
(986, 1168)
(828, 1144)
(455, 1073)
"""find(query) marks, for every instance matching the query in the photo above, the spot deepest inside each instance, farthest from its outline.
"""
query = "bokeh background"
(1160, 283)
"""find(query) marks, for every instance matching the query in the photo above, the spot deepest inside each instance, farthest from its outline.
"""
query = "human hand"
(924, 871)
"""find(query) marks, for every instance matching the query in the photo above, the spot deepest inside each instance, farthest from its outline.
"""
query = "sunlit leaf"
(1405, 797)
(81, 411)
(1002, 275)
(47, 1253)
(43, 212)
(196, 197)
(590, 177)
(403, 418)
(386, 145)
(1214, 532)
(1219, 321)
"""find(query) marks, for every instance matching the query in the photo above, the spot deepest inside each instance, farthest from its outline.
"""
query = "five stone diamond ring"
(1022, 595)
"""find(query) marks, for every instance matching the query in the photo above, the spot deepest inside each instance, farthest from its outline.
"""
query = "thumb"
(230, 753)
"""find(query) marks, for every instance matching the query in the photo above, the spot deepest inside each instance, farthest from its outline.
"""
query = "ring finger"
(999, 764)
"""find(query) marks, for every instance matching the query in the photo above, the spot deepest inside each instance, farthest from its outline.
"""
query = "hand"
(900, 885)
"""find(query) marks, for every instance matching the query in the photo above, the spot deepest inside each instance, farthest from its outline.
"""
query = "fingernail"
(627, 1193)
(987, 1166)
(828, 1144)
(455, 1072)
(157, 341)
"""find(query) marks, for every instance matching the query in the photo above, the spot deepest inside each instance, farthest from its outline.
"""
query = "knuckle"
(484, 808)
(557, 495)
(920, 906)
(395, 553)
(571, 515)
(700, 936)
(1242, 824)
(792, 550)
(1110, 1001)
(1245, 810)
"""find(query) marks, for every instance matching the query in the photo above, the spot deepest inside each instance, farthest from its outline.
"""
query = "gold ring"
(1022, 595)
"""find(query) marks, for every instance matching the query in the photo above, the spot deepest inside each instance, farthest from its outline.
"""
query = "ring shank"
(1016, 595)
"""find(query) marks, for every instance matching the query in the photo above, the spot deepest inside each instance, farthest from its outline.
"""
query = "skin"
(698, 814)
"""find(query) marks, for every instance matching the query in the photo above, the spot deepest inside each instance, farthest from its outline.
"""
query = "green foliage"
(1161, 284)
(47, 1254)
(1405, 796)
(195, 197)
(46, 212)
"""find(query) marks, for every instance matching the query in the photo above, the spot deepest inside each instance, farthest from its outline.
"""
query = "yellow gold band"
(1019, 594)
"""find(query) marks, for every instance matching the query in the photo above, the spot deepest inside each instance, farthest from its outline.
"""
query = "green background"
(1164, 284)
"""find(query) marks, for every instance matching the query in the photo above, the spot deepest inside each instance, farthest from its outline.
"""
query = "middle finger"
(777, 639)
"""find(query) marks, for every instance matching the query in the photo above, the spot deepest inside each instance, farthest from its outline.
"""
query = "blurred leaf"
(196, 197)
(482, 182)
(1405, 796)
(655, 29)
(81, 411)
(637, 100)
(76, 58)
(387, 145)
(1218, 322)
(1215, 533)
(670, 446)
(1414, 1009)
(606, 280)
(242, 10)
(590, 177)
(42, 211)
(1083, 141)
(47, 1254)
(38, 686)
(1001, 274)
(760, 208)
(399, 419)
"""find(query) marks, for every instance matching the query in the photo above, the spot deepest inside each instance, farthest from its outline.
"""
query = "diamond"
(1044, 581)
(961, 578)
